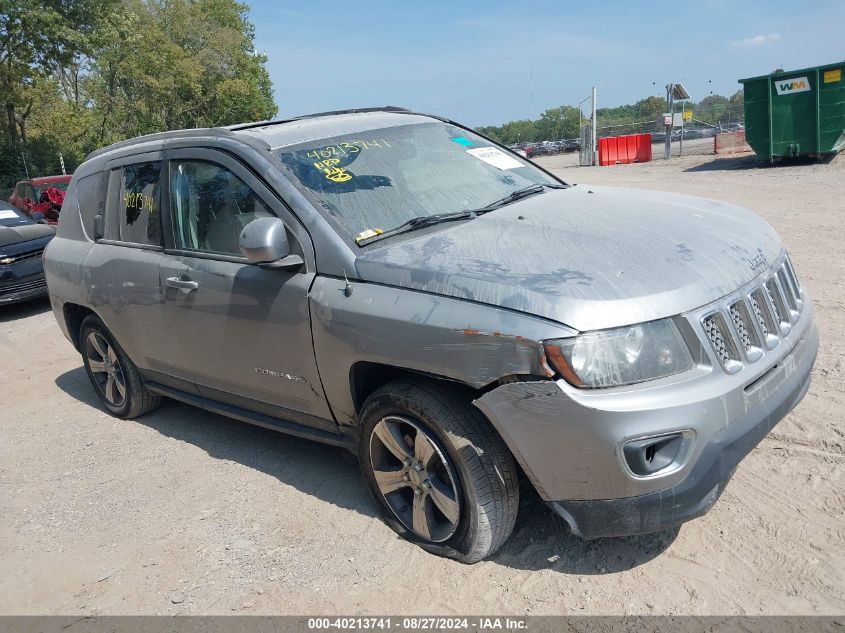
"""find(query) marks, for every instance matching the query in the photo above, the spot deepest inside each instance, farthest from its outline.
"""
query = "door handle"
(182, 284)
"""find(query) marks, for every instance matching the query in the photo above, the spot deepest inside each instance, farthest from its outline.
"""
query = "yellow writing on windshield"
(332, 171)
(347, 148)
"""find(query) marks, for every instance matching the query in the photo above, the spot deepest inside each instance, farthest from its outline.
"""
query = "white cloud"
(757, 40)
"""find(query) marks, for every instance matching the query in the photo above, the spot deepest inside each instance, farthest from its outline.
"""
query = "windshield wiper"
(419, 222)
(430, 220)
(519, 194)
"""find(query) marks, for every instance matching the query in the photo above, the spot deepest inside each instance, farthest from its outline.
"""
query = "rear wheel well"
(74, 315)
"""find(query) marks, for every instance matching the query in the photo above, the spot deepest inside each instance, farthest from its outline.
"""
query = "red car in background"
(44, 194)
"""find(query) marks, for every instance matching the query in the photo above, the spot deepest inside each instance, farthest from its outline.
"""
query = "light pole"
(593, 127)
(667, 144)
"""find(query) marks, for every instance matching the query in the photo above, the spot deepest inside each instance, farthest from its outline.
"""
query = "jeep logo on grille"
(758, 261)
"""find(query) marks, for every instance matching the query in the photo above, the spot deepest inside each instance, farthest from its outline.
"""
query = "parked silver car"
(398, 285)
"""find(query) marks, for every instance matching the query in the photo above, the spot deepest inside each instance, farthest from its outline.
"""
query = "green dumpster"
(796, 113)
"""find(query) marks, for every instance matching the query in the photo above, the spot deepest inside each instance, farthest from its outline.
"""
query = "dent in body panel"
(470, 343)
(570, 449)
(568, 440)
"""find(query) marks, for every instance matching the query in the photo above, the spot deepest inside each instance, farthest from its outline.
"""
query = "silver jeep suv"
(396, 284)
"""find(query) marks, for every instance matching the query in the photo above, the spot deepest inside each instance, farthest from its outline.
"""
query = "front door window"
(210, 206)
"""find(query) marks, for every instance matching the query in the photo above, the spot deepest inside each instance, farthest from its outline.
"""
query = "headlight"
(623, 356)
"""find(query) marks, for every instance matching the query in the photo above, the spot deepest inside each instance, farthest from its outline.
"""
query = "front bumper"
(568, 441)
(700, 489)
(23, 289)
(23, 280)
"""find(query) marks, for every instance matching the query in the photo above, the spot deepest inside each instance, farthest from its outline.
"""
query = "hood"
(12, 235)
(587, 257)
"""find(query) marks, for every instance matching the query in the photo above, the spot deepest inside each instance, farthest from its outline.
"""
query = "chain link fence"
(695, 137)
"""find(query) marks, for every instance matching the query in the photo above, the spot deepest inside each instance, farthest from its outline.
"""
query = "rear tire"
(113, 375)
(455, 489)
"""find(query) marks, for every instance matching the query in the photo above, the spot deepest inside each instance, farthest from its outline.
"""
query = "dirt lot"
(186, 512)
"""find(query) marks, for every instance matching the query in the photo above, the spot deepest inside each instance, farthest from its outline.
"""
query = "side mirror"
(37, 216)
(265, 242)
(98, 227)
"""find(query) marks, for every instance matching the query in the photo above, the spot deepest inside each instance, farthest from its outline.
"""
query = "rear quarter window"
(90, 192)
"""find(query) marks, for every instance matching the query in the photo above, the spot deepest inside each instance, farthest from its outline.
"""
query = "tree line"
(76, 75)
(563, 122)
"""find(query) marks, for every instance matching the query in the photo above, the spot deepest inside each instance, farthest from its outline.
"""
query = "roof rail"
(203, 131)
(231, 129)
(248, 126)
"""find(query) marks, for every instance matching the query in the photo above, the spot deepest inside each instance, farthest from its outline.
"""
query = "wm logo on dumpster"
(788, 86)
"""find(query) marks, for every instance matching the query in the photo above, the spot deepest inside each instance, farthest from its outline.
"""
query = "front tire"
(112, 374)
(440, 474)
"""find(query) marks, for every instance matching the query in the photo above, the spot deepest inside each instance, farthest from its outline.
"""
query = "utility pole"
(594, 130)
(667, 150)
(25, 168)
(683, 109)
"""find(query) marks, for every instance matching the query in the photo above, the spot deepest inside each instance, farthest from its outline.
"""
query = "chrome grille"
(744, 327)
(771, 294)
(787, 291)
(21, 257)
(759, 319)
(722, 341)
(22, 286)
(778, 308)
(793, 280)
(763, 319)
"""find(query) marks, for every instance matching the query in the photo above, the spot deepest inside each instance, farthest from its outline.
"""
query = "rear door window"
(138, 204)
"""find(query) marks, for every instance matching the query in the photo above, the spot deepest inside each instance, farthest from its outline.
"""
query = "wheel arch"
(74, 314)
(365, 377)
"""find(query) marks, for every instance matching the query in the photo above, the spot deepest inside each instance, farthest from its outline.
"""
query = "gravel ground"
(186, 512)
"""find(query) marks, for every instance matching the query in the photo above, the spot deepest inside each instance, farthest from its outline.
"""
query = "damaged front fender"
(474, 344)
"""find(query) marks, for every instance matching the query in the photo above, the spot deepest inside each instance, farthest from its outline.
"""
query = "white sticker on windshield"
(7, 214)
(496, 157)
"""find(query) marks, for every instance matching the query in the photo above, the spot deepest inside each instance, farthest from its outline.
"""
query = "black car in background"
(22, 243)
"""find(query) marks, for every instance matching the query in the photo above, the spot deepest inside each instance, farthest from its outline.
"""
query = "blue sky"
(474, 61)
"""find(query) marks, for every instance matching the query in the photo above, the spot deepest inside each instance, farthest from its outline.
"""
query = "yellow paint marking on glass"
(332, 171)
(137, 200)
(327, 158)
(346, 148)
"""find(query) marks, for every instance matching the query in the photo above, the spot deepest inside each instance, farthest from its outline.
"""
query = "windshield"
(377, 180)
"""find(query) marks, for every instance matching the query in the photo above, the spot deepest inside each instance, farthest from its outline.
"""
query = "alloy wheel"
(415, 478)
(105, 368)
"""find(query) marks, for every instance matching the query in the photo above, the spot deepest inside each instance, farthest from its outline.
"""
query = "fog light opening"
(656, 455)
